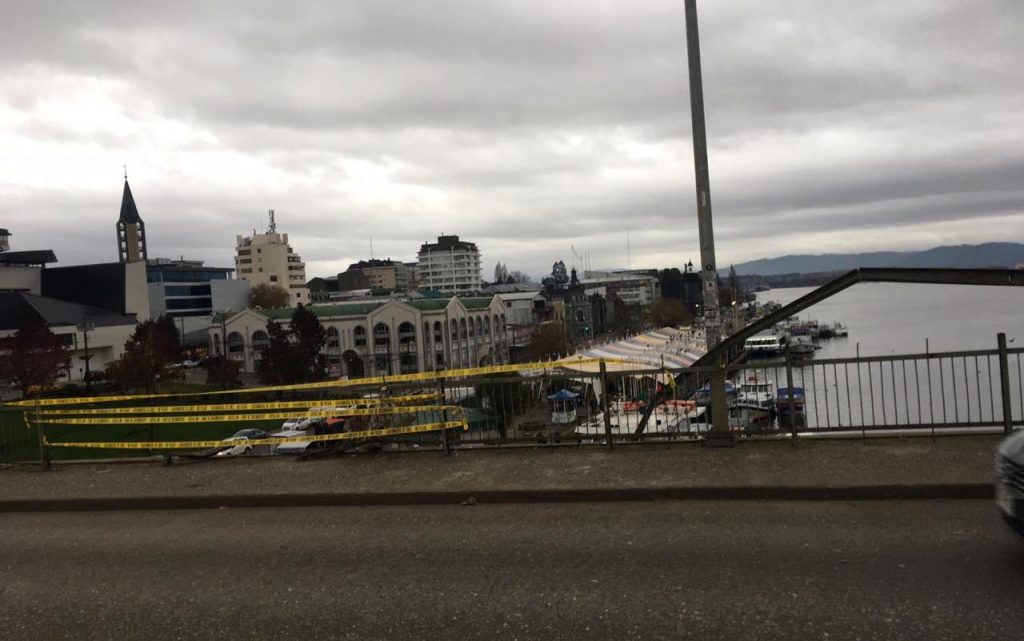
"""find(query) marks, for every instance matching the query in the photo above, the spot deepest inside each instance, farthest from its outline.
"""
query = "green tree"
(222, 372)
(277, 364)
(309, 337)
(622, 321)
(33, 357)
(151, 348)
(548, 341)
(669, 312)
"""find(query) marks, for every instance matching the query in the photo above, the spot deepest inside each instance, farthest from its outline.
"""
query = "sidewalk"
(951, 467)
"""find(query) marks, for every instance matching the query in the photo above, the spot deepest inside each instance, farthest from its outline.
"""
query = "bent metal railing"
(940, 392)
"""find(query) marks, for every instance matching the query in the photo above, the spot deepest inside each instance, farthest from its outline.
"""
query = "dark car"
(1010, 480)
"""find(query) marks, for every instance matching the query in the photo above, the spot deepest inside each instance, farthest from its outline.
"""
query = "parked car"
(1009, 481)
(318, 427)
(242, 438)
(286, 433)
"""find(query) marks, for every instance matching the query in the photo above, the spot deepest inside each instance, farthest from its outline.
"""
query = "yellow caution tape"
(357, 382)
(234, 418)
(180, 445)
(236, 407)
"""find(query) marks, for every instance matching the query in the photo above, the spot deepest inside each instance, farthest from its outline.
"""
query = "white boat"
(671, 417)
(801, 346)
(763, 345)
(756, 398)
(839, 330)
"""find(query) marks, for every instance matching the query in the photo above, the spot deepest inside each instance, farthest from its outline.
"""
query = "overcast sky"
(524, 126)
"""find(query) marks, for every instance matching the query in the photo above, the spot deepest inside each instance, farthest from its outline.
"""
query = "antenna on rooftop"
(371, 247)
(628, 258)
(272, 227)
(125, 172)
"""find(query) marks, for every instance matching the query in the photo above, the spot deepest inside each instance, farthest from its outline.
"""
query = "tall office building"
(268, 258)
(449, 265)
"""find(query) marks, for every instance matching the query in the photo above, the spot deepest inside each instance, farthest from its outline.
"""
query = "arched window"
(438, 332)
(381, 335)
(455, 330)
(487, 325)
(236, 346)
(260, 342)
(462, 325)
(407, 334)
(359, 334)
(333, 339)
(479, 327)
(503, 326)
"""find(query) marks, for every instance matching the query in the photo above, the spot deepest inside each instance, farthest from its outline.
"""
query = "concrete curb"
(955, 491)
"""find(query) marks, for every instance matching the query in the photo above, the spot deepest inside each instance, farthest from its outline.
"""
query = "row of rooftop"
(105, 301)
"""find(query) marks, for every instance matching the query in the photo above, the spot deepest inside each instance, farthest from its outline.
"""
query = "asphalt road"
(669, 570)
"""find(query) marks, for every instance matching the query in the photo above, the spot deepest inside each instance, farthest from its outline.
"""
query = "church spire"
(131, 231)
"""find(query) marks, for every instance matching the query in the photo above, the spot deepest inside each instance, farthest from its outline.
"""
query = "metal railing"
(945, 391)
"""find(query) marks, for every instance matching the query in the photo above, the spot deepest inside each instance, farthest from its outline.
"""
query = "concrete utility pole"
(720, 434)
(709, 272)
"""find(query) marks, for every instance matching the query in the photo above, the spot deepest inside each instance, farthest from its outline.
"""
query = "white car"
(1009, 488)
(242, 437)
(286, 433)
(241, 449)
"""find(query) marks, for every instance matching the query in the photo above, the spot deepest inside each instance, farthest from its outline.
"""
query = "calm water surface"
(895, 319)
(887, 318)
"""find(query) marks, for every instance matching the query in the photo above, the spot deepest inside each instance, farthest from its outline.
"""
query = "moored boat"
(801, 346)
(756, 398)
(763, 345)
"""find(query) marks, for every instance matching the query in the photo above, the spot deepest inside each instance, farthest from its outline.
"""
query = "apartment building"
(381, 337)
(450, 265)
(386, 274)
(268, 258)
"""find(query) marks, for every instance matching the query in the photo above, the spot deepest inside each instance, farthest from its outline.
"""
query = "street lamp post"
(224, 332)
(86, 326)
(709, 272)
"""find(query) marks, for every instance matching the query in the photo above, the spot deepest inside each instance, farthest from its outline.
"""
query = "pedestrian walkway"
(917, 461)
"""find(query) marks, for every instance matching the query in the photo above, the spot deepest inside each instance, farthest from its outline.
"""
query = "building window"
(381, 335)
(273, 278)
(236, 346)
(360, 336)
(260, 342)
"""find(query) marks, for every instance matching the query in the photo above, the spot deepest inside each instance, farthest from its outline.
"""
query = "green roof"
(365, 307)
(434, 304)
(476, 303)
(339, 309)
(428, 304)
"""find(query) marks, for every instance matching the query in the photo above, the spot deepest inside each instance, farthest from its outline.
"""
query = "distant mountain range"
(986, 255)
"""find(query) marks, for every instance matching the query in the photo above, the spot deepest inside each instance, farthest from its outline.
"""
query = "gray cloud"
(527, 127)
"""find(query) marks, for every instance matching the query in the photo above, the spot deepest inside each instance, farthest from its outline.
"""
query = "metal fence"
(937, 391)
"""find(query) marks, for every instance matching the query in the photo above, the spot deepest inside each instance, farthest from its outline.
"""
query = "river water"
(888, 320)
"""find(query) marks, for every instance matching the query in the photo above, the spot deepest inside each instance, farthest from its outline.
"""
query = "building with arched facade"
(378, 338)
